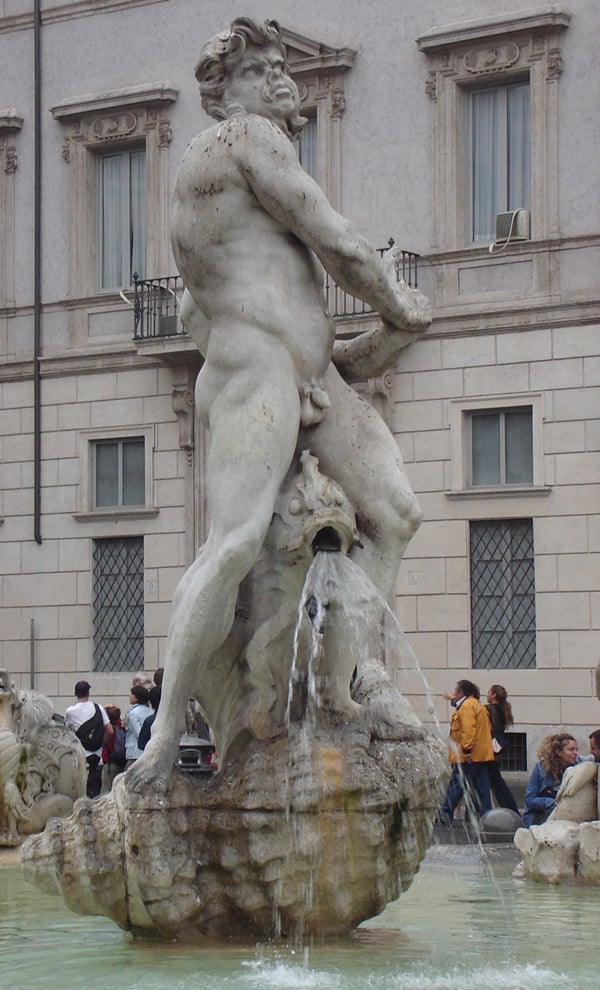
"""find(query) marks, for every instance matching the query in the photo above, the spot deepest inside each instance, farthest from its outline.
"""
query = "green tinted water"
(465, 924)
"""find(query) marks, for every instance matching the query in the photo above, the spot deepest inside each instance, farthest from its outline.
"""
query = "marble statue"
(42, 764)
(251, 231)
(324, 801)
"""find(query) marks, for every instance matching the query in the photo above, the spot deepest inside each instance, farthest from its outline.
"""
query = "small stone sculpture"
(42, 764)
(567, 845)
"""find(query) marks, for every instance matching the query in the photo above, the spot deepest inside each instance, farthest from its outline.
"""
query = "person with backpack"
(92, 727)
(113, 753)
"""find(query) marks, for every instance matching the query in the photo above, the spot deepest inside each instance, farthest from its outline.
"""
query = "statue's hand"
(418, 308)
(416, 315)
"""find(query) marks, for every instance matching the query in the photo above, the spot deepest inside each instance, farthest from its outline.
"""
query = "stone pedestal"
(307, 834)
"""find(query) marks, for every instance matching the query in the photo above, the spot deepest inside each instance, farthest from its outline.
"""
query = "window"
(116, 474)
(502, 594)
(498, 156)
(497, 446)
(119, 473)
(319, 71)
(307, 146)
(494, 79)
(118, 604)
(514, 755)
(501, 447)
(115, 145)
(121, 218)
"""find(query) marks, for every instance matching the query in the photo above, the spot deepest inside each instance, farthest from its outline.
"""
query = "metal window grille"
(514, 754)
(502, 594)
(118, 604)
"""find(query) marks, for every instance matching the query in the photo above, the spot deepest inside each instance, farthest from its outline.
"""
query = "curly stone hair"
(224, 51)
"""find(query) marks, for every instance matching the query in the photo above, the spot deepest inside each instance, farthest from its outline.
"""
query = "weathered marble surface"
(42, 764)
(567, 845)
(306, 834)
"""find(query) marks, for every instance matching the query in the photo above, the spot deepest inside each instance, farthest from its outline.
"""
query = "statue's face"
(260, 84)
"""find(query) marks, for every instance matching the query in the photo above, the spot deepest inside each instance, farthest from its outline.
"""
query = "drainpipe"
(37, 274)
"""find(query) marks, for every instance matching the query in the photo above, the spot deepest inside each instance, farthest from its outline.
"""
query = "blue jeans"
(474, 778)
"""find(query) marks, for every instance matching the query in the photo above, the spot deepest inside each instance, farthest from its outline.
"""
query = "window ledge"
(143, 512)
(501, 491)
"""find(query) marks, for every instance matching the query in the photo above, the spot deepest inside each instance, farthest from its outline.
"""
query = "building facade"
(467, 132)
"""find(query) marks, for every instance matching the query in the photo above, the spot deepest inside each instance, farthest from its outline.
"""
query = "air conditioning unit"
(513, 226)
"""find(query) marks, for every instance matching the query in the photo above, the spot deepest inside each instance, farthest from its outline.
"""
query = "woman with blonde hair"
(556, 753)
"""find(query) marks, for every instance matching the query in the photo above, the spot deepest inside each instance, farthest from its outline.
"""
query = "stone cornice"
(10, 120)
(308, 56)
(545, 18)
(130, 96)
(70, 11)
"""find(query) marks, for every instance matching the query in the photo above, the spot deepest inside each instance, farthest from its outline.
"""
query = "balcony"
(157, 301)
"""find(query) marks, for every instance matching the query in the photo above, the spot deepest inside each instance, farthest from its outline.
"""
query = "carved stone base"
(305, 834)
(561, 851)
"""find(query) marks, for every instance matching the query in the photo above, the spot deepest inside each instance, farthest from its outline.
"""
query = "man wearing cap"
(75, 716)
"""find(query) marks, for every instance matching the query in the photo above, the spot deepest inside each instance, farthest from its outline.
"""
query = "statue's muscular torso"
(259, 287)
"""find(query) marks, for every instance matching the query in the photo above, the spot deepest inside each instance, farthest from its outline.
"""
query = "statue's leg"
(253, 436)
(356, 449)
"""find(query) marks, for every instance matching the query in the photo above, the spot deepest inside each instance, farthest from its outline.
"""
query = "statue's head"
(270, 91)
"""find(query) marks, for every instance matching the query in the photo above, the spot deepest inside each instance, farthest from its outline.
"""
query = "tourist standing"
(113, 752)
(146, 730)
(470, 751)
(501, 718)
(75, 717)
(136, 716)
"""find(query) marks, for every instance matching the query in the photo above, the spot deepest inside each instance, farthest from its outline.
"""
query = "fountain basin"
(307, 834)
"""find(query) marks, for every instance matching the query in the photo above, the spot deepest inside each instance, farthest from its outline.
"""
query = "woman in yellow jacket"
(469, 752)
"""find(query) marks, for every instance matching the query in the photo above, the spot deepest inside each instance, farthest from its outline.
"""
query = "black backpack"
(117, 757)
(91, 733)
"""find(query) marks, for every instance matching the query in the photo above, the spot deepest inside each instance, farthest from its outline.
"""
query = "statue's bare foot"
(152, 771)
(341, 705)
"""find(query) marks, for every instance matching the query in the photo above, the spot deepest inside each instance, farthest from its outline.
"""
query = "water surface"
(465, 924)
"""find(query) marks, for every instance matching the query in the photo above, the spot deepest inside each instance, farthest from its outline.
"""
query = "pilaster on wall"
(11, 123)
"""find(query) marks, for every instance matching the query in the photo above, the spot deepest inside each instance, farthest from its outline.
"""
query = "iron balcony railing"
(157, 301)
